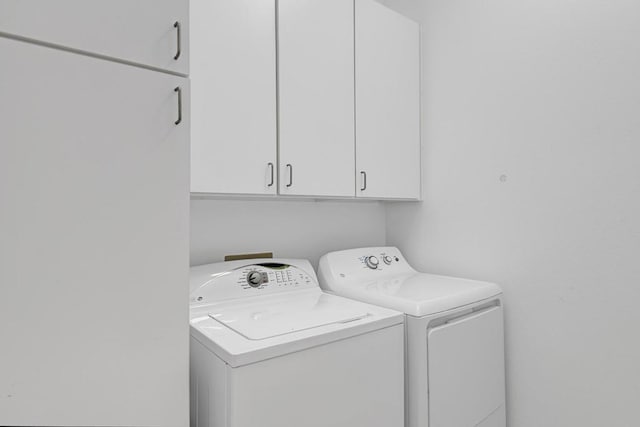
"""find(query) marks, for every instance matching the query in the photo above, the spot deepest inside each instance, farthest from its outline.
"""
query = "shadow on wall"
(289, 229)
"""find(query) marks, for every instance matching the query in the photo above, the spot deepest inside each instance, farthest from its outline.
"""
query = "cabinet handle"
(271, 172)
(290, 174)
(176, 25)
(363, 174)
(177, 89)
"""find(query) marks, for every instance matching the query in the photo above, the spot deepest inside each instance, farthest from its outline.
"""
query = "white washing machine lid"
(268, 317)
(250, 330)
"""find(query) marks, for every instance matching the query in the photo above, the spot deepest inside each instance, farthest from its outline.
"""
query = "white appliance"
(454, 341)
(270, 349)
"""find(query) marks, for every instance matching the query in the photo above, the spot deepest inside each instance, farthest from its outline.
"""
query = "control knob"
(372, 262)
(387, 259)
(254, 279)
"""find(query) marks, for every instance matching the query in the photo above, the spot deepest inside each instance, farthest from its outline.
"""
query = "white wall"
(532, 179)
(289, 229)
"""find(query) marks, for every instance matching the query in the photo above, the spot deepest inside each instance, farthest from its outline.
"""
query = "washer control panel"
(244, 279)
(272, 275)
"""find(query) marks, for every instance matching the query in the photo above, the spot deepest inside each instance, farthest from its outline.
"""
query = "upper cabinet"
(387, 92)
(316, 103)
(152, 33)
(233, 74)
(317, 98)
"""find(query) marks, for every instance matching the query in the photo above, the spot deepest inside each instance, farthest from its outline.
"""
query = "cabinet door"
(315, 66)
(140, 31)
(387, 103)
(466, 370)
(94, 211)
(233, 72)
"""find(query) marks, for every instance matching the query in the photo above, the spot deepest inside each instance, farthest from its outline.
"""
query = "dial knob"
(387, 259)
(372, 262)
(254, 279)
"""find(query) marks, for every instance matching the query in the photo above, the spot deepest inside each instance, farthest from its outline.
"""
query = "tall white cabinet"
(94, 212)
(387, 61)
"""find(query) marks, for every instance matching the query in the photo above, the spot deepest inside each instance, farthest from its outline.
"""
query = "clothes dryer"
(454, 334)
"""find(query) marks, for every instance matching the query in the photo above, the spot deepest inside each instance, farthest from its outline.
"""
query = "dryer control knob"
(254, 279)
(387, 259)
(372, 262)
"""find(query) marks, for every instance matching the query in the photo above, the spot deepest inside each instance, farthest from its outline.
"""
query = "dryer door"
(466, 371)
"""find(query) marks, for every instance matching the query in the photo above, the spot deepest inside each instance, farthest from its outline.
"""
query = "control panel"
(257, 278)
(269, 274)
(364, 264)
(374, 260)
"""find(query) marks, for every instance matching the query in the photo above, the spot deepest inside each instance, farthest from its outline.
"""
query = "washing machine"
(269, 348)
(454, 334)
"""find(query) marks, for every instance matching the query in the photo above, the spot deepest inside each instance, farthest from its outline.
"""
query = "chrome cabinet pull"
(177, 89)
(363, 174)
(176, 25)
(290, 174)
(271, 172)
